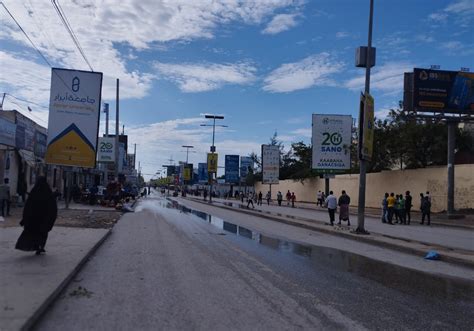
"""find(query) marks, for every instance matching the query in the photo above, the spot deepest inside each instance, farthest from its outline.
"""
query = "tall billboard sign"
(106, 150)
(440, 90)
(270, 164)
(246, 163)
(74, 110)
(212, 162)
(203, 176)
(232, 168)
(331, 142)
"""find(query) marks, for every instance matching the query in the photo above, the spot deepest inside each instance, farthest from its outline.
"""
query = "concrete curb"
(38, 314)
(360, 238)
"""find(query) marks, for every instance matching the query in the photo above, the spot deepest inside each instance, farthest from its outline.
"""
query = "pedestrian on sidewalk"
(268, 197)
(408, 205)
(260, 197)
(397, 208)
(242, 195)
(331, 203)
(288, 198)
(319, 201)
(425, 209)
(279, 198)
(401, 209)
(344, 201)
(427, 195)
(250, 200)
(385, 208)
(391, 206)
(5, 197)
(293, 199)
(205, 194)
(39, 215)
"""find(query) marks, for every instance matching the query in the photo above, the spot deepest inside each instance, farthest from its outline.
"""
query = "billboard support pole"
(451, 145)
(326, 186)
(363, 163)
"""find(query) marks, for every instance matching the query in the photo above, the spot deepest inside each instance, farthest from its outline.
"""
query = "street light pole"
(363, 163)
(187, 151)
(213, 147)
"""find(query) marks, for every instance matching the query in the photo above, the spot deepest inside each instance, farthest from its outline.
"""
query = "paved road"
(444, 236)
(165, 269)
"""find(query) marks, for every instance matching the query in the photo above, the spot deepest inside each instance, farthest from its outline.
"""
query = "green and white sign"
(332, 136)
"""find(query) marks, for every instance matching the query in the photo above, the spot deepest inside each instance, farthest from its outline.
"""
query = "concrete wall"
(433, 179)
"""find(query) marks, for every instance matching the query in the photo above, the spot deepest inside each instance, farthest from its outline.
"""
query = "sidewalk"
(455, 245)
(30, 283)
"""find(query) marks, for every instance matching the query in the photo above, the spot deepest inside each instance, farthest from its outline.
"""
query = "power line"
(24, 100)
(36, 48)
(67, 25)
(26, 35)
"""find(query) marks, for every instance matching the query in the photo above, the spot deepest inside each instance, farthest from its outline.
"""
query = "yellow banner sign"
(368, 131)
(211, 162)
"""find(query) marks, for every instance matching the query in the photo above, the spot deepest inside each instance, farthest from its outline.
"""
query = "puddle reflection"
(271, 242)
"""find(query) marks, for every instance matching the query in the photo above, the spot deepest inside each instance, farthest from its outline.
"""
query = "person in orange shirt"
(391, 207)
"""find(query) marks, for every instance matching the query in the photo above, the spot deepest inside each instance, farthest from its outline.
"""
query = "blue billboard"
(232, 168)
(203, 176)
(246, 163)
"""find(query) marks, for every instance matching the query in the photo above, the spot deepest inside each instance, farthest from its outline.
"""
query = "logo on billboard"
(212, 162)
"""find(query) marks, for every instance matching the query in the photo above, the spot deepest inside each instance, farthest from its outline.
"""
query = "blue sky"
(265, 65)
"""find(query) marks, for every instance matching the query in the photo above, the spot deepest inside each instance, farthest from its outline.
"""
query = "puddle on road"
(241, 231)
(388, 274)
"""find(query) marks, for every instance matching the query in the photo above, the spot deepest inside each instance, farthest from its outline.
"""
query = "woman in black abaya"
(39, 215)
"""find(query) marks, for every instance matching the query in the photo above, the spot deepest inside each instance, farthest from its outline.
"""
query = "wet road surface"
(169, 267)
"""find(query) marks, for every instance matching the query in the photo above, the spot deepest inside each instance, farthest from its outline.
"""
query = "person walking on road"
(5, 197)
(268, 197)
(288, 198)
(39, 215)
(260, 197)
(279, 198)
(391, 206)
(425, 209)
(331, 203)
(205, 195)
(408, 205)
(293, 199)
(344, 201)
(384, 208)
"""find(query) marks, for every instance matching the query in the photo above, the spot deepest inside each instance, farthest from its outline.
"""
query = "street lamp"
(187, 151)
(213, 147)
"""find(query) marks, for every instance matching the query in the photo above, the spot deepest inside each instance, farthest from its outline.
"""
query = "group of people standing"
(399, 207)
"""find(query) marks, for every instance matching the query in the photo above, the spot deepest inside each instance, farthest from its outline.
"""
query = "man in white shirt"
(320, 200)
(331, 203)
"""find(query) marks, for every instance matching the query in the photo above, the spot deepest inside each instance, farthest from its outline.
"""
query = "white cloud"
(280, 23)
(387, 78)
(315, 70)
(103, 27)
(303, 132)
(157, 142)
(207, 76)
(460, 12)
(342, 34)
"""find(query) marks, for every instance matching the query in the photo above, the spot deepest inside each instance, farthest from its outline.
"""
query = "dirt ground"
(103, 219)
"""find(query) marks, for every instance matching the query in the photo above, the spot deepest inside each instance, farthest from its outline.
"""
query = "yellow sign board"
(187, 171)
(211, 162)
(368, 130)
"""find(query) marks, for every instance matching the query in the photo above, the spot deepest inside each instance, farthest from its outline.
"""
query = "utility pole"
(452, 124)
(117, 132)
(363, 163)
(213, 147)
(134, 155)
